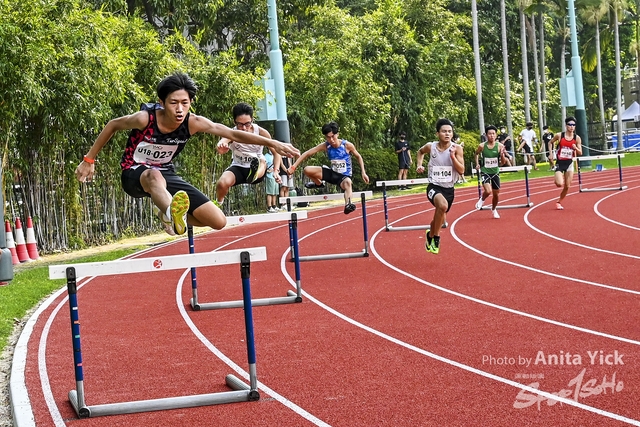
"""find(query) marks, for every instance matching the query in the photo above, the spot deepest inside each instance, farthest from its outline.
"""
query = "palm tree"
(536, 71)
(476, 58)
(505, 70)
(618, 7)
(543, 74)
(522, 5)
(592, 14)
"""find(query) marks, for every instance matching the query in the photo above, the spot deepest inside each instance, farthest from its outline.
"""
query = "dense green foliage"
(376, 67)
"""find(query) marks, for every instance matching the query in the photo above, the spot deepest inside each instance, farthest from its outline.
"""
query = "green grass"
(30, 285)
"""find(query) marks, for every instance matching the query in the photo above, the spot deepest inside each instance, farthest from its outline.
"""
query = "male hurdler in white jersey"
(446, 164)
(248, 165)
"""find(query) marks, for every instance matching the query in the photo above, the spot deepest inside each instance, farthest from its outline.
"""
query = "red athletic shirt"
(565, 150)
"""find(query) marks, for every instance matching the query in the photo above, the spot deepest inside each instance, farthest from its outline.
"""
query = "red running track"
(538, 300)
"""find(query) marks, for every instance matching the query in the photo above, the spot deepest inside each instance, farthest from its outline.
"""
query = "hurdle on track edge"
(601, 157)
(295, 255)
(526, 169)
(241, 391)
(396, 182)
(292, 297)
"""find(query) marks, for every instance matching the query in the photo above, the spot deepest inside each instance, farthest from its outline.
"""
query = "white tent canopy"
(630, 113)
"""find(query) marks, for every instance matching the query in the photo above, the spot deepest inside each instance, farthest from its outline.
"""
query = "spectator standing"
(527, 138)
(547, 136)
(403, 150)
(507, 156)
(271, 186)
(286, 180)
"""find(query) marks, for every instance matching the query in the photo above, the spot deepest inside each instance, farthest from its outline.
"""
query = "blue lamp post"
(576, 68)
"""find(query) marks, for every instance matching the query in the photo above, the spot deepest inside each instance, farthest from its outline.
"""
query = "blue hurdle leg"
(194, 282)
(245, 264)
(364, 224)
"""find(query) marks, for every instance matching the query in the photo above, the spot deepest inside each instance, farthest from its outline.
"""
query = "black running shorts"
(242, 174)
(494, 179)
(130, 179)
(448, 193)
(335, 178)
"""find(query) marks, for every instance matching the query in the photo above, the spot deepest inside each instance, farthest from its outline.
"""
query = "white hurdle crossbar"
(295, 256)
(292, 297)
(395, 182)
(526, 169)
(241, 391)
(601, 157)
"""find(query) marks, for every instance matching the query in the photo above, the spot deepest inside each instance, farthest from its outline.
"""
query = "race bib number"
(153, 154)
(241, 160)
(566, 152)
(339, 166)
(441, 174)
(490, 162)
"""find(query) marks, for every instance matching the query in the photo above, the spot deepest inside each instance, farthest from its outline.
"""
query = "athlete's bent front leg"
(568, 176)
(558, 179)
(154, 183)
(208, 215)
(439, 215)
(225, 182)
(314, 173)
(347, 187)
(486, 191)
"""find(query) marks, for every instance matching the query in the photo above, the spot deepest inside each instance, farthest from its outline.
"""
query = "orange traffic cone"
(11, 245)
(32, 245)
(21, 246)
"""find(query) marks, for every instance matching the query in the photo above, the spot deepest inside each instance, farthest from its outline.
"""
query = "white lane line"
(570, 242)
(240, 371)
(597, 211)
(18, 387)
(451, 362)
(526, 267)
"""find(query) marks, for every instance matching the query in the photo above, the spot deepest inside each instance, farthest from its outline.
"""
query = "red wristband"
(88, 160)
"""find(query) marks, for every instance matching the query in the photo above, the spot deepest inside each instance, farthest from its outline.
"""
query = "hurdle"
(241, 391)
(295, 256)
(601, 157)
(292, 297)
(526, 169)
(395, 182)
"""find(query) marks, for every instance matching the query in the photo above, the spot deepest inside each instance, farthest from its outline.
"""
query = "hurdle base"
(363, 254)
(525, 205)
(591, 190)
(161, 404)
(235, 383)
(293, 294)
(291, 298)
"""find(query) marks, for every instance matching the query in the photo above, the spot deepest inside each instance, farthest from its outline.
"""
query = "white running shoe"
(495, 213)
(479, 203)
(168, 227)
